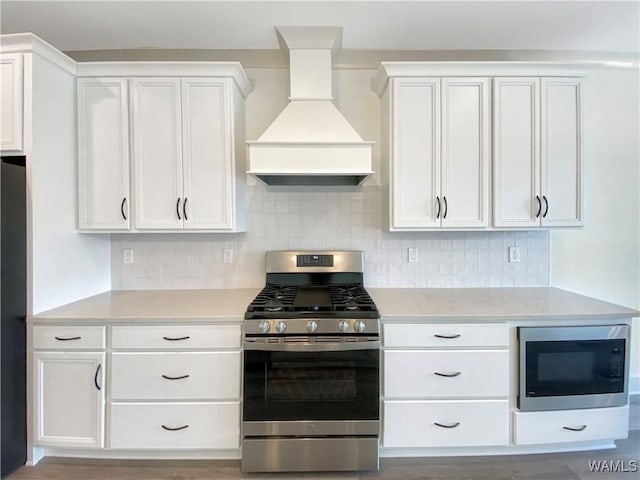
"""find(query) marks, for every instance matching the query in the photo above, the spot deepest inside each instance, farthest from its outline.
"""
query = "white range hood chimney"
(310, 142)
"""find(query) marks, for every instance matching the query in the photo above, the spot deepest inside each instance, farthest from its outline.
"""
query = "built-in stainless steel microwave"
(573, 367)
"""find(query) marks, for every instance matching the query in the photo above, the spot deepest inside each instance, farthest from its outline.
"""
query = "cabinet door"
(415, 171)
(69, 399)
(103, 154)
(11, 102)
(560, 155)
(207, 149)
(157, 150)
(465, 152)
(516, 154)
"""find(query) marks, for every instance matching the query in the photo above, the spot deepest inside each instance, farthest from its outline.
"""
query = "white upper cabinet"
(103, 154)
(184, 154)
(465, 152)
(11, 118)
(207, 163)
(157, 153)
(537, 152)
(438, 147)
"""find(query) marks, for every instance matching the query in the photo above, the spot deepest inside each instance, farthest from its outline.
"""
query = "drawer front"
(581, 425)
(69, 337)
(444, 335)
(472, 423)
(446, 373)
(175, 337)
(175, 376)
(194, 425)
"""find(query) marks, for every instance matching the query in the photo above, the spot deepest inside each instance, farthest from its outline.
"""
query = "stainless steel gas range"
(311, 366)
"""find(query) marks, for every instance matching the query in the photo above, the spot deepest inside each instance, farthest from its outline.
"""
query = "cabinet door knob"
(178, 209)
(95, 378)
(447, 425)
(449, 375)
(576, 429)
(170, 429)
(124, 215)
(539, 206)
(438, 214)
(546, 206)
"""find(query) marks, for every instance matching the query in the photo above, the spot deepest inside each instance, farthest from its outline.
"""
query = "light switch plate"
(227, 255)
(514, 254)
(412, 254)
(127, 255)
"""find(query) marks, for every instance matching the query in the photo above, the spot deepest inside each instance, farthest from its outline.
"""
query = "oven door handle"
(312, 347)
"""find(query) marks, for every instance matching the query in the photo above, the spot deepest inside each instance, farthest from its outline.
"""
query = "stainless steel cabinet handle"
(184, 208)
(456, 335)
(444, 425)
(576, 429)
(170, 429)
(446, 207)
(178, 209)
(95, 378)
(539, 206)
(438, 200)
(66, 339)
(124, 215)
(176, 339)
(546, 205)
(175, 378)
(449, 375)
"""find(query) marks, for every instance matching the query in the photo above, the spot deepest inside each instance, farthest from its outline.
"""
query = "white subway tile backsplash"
(329, 218)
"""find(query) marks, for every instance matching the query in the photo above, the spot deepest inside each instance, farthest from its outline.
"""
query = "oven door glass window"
(559, 368)
(336, 385)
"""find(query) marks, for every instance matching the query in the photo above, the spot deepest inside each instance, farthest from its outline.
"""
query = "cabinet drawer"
(68, 337)
(446, 373)
(472, 422)
(571, 425)
(175, 376)
(196, 425)
(173, 337)
(446, 335)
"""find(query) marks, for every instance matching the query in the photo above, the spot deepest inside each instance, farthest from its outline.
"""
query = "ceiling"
(605, 26)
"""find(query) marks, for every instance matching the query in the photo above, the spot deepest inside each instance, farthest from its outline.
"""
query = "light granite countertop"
(484, 304)
(415, 304)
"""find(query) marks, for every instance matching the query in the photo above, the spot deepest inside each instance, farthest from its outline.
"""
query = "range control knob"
(358, 326)
(281, 327)
(264, 327)
(343, 326)
(312, 326)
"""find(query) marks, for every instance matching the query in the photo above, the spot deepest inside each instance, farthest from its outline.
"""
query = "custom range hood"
(310, 142)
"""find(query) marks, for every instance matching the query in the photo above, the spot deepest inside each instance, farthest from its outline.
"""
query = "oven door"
(573, 367)
(311, 379)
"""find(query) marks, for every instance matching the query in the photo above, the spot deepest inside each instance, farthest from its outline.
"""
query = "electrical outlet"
(127, 255)
(412, 254)
(514, 254)
(227, 255)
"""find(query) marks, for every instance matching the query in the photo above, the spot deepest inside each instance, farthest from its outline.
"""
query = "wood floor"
(565, 466)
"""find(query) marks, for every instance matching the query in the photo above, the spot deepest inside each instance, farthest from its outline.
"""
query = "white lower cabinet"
(69, 399)
(445, 385)
(571, 425)
(175, 425)
(450, 423)
(196, 376)
(175, 386)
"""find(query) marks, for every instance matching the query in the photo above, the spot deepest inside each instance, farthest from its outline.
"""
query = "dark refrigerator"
(13, 301)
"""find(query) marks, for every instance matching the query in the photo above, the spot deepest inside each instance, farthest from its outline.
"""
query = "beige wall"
(603, 259)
